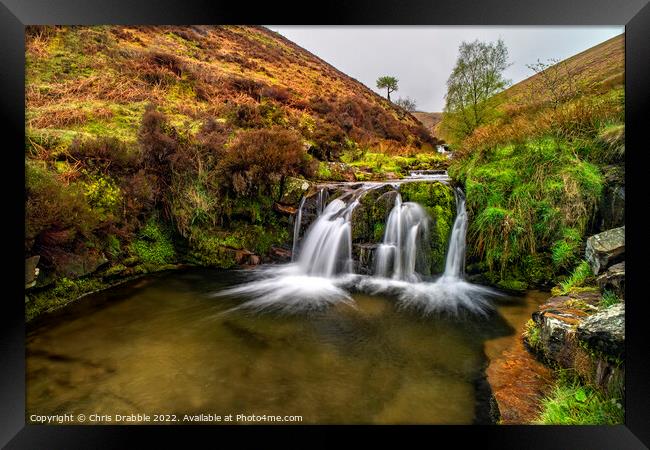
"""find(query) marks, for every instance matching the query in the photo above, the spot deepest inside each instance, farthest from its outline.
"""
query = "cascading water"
(321, 270)
(327, 247)
(455, 262)
(407, 225)
(296, 228)
(321, 201)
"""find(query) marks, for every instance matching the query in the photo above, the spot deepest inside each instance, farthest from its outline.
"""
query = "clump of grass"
(532, 198)
(563, 251)
(531, 334)
(609, 298)
(578, 278)
(573, 403)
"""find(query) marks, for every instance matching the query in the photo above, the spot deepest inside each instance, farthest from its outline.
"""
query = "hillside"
(150, 146)
(600, 68)
(429, 120)
(547, 170)
(98, 80)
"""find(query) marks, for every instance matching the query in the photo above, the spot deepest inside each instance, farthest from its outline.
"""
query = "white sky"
(422, 57)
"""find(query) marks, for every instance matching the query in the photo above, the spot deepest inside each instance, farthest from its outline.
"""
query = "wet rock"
(613, 280)
(605, 249)
(361, 224)
(363, 255)
(384, 204)
(611, 209)
(75, 265)
(369, 217)
(519, 382)
(573, 332)
(280, 254)
(293, 190)
(31, 271)
(605, 331)
(284, 209)
(242, 256)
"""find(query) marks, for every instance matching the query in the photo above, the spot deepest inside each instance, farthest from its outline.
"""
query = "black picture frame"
(15, 14)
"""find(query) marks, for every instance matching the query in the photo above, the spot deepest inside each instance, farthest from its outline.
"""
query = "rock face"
(72, 265)
(605, 331)
(363, 255)
(293, 190)
(613, 280)
(605, 249)
(573, 332)
(611, 209)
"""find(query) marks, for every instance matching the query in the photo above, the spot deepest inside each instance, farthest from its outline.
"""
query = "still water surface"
(162, 345)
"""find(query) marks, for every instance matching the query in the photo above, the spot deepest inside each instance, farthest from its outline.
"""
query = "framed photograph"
(410, 218)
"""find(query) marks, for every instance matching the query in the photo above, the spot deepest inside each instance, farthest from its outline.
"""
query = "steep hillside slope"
(601, 67)
(98, 80)
(429, 119)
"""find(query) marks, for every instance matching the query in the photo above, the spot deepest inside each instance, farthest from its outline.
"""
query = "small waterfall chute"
(296, 229)
(455, 261)
(327, 246)
(406, 226)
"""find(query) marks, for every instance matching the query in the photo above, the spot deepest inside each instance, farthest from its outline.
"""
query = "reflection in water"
(167, 347)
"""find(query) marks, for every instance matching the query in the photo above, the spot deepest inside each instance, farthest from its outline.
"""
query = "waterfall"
(327, 246)
(296, 229)
(321, 200)
(455, 262)
(321, 272)
(396, 256)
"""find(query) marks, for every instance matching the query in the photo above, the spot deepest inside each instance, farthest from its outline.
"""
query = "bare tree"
(406, 103)
(554, 82)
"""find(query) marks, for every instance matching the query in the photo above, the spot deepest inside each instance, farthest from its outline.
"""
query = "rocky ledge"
(574, 332)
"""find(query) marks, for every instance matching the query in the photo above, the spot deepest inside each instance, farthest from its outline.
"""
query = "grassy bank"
(534, 181)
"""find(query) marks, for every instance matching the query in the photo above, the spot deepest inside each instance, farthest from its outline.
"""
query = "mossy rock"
(516, 287)
(439, 201)
(292, 190)
(371, 214)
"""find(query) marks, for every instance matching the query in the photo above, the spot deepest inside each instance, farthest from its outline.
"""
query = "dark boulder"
(605, 331)
(611, 208)
(76, 265)
(605, 249)
(613, 280)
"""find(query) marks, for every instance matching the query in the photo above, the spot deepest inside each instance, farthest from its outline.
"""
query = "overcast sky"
(422, 57)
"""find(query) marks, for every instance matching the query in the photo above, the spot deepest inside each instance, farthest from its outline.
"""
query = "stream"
(312, 337)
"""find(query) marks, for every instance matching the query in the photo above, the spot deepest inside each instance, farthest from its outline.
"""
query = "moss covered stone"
(439, 201)
(292, 190)
(371, 214)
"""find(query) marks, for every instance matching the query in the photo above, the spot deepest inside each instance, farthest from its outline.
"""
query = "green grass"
(609, 299)
(577, 279)
(154, 244)
(381, 163)
(573, 403)
(64, 291)
(529, 199)
(531, 334)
